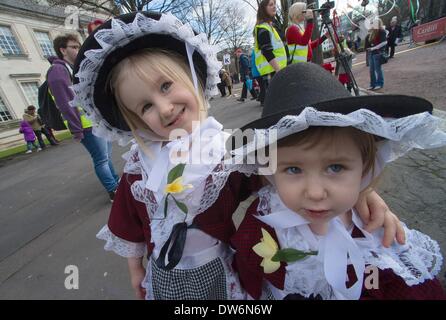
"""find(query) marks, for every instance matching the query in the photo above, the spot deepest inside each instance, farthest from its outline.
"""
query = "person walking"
(37, 124)
(227, 81)
(270, 53)
(29, 136)
(394, 35)
(60, 77)
(378, 42)
(245, 76)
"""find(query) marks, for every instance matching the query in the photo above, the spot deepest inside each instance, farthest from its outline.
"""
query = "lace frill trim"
(422, 131)
(206, 190)
(120, 35)
(417, 261)
(120, 246)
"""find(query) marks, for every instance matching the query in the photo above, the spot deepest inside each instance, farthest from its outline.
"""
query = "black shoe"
(241, 100)
(111, 195)
(254, 98)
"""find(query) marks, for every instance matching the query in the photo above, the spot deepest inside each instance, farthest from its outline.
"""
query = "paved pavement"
(418, 71)
(51, 206)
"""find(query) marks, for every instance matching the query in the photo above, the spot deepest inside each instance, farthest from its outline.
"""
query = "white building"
(27, 30)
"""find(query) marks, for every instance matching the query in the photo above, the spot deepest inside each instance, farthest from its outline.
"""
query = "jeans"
(100, 151)
(376, 71)
(31, 144)
(38, 134)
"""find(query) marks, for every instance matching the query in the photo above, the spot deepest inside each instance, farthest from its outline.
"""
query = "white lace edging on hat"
(120, 246)
(420, 131)
(120, 35)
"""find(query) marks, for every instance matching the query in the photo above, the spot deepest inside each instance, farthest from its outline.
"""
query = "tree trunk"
(317, 52)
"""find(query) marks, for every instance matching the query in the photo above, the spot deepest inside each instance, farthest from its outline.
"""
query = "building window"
(5, 115)
(8, 43)
(31, 90)
(45, 43)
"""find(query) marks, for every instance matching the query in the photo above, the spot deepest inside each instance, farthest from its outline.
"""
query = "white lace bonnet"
(118, 38)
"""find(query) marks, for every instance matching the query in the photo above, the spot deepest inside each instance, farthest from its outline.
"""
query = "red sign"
(428, 31)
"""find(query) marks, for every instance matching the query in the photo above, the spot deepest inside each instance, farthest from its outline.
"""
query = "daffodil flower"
(177, 186)
(267, 248)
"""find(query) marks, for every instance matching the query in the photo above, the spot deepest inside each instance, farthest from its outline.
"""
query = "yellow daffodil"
(266, 249)
(177, 186)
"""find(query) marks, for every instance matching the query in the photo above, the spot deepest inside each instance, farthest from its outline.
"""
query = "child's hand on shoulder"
(375, 214)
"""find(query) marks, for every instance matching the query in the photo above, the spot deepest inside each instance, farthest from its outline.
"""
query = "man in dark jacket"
(59, 82)
(245, 76)
(394, 34)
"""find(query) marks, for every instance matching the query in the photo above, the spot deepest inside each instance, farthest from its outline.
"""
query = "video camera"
(325, 8)
(328, 5)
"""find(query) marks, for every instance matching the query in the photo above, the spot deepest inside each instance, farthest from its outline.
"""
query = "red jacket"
(247, 264)
(295, 36)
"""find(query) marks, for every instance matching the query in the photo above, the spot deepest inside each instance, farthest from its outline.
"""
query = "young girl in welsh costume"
(146, 76)
(301, 238)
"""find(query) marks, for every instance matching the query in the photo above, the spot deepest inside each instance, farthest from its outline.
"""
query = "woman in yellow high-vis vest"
(298, 34)
(270, 54)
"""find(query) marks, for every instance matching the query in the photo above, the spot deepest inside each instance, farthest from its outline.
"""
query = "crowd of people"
(271, 50)
(316, 223)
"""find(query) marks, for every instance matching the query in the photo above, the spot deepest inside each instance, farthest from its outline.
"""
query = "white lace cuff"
(120, 246)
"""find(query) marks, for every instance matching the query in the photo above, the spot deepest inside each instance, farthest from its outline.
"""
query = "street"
(52, 204)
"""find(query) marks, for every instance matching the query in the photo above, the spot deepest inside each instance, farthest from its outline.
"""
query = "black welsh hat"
(304, 94)
(304, 85)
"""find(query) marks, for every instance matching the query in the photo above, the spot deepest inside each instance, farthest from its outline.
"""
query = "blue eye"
(146, 107)
(165, 86)
(335, 168)
(293, 170)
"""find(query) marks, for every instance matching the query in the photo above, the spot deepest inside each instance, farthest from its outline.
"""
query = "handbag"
(249, 84)
(384, 58)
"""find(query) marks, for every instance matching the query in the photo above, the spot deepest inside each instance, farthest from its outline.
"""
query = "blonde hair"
(144, 64)
(314, 135)
(296, 10)
(375, 31)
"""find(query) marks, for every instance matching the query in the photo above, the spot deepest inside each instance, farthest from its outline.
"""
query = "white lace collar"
(325, 274)
(206, 137)
(207, 179)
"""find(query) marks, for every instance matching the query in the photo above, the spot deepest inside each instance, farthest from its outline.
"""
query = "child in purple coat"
(28, 134)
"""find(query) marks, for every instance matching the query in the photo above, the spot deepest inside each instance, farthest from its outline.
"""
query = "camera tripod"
(340, 53)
